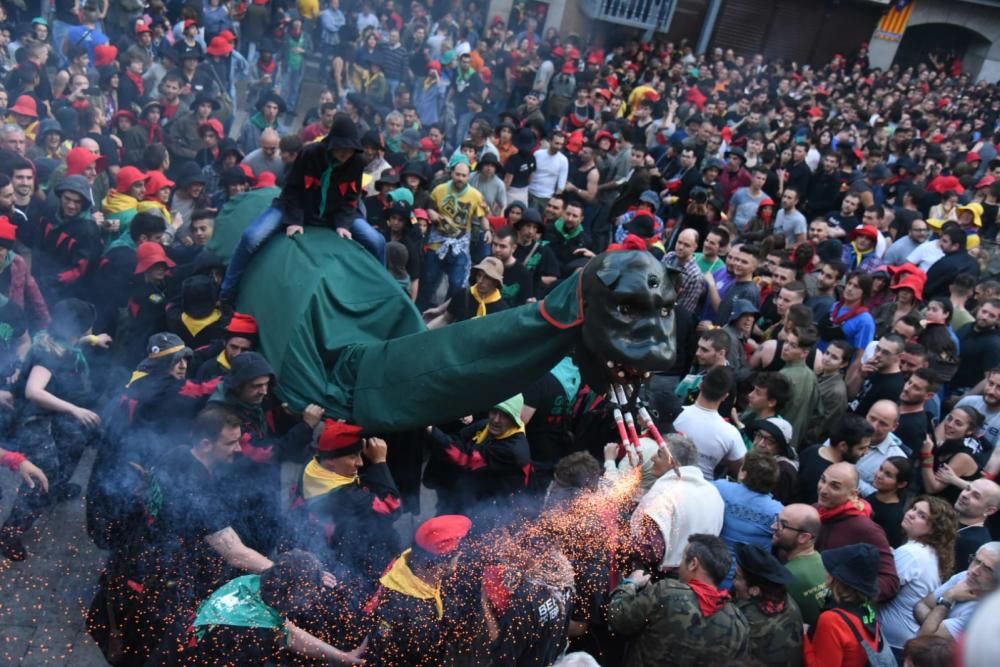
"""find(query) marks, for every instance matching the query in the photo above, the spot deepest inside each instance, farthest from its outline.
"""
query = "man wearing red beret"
(408, 609)
(348, 501)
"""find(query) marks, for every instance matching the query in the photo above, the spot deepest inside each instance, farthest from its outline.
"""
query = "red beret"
(340, 438)
(441, 535)
(242, 324)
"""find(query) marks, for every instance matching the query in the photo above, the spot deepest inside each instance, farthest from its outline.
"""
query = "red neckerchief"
(137, 80)
(853, 312)
(856, 507)
(710, 598)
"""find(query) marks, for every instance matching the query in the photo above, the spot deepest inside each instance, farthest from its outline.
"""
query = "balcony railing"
(655, 14)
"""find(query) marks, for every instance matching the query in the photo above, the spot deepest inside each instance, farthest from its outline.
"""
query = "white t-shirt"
(715, 439)
(925, 254)
(960, 614)
(917, 567)
(551, 172)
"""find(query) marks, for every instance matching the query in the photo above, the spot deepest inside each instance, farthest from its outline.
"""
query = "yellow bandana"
(196, 325)
(482, 303)
(480, 437)
(400, 578)
(223, 361)
(317, 480)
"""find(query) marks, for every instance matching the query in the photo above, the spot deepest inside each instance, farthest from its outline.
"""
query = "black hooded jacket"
(301, 200)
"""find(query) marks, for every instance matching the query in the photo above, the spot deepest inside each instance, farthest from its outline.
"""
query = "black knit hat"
(246, 367)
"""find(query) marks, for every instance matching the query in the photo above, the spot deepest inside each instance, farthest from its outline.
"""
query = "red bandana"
(710, 598)
(856, 507)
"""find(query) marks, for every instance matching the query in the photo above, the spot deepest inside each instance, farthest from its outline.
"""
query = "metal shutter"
(742, 25)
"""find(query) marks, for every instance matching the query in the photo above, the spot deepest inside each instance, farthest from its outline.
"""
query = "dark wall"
(810, 31)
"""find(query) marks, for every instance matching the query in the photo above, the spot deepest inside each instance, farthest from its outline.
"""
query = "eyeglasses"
(783, 525)
(973, 560)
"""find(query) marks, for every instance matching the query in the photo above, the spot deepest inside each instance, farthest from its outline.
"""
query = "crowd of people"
(826, 492)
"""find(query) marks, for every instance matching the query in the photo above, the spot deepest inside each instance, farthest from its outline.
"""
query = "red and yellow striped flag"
(893, 24)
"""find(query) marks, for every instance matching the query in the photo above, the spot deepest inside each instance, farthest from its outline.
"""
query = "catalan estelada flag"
(893, 24)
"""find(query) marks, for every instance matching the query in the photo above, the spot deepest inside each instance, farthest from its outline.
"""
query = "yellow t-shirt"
(458, 211)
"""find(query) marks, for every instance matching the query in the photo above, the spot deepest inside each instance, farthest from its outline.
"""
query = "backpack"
(881, 658)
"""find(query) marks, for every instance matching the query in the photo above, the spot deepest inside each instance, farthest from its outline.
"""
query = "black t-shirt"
(66, 12)
(518, 284)
(913, 428)
(811, 467)
(521, 166)
(70, 379)
(109, 149)
(969, 540)
(878, 386)
(847, 223)
(890, 517)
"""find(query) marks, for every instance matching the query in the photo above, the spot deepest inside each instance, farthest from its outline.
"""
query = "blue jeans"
(269, 222)
(293, 85)
(456, 267)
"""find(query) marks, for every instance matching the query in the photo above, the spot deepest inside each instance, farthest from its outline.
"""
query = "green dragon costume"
(340, 333)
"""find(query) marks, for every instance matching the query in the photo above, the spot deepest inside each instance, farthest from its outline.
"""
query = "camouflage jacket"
(775, 640)
(665, 626)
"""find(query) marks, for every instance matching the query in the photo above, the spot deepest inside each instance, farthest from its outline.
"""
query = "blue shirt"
(859, 330)
(81, 35)
(748, 518)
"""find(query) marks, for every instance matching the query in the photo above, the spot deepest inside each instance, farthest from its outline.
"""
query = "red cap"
(442, 534)
(421, 214)
(497, 20)
(973, 156)
(242, 324)
(633, 67)
(129, 176)
(434, 65)
(559, 52)
(78, 159)
(986, 181)
(340, 439)
(229, 35)
(26, 106)
(105, 54)
(573, 53)
(568, 67)
(141, 26)
(156, 181)
(267, 179)
(213, 124)
(816, 112)
(914, 282)
(595, 58)
(219, 46)
(604, 134)
(427, 144)
(943, 184)
(248, 170)
(150, 254)
(8, 232)
(604, 92)
(190, 22)
(865, 230)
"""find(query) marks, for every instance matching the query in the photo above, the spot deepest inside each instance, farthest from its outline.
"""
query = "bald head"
(90, 145)
(978, 501)
(837, 485)
(884, 418)
(687, 243)
(806, 517)
(270, 139)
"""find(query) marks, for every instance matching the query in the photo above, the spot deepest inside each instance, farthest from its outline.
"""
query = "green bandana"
(238, 604)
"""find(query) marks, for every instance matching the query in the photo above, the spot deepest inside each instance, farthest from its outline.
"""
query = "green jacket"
(665, 627)
(775, 640)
